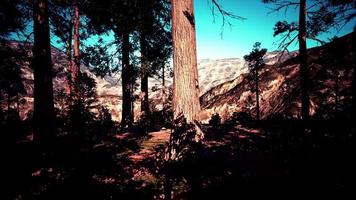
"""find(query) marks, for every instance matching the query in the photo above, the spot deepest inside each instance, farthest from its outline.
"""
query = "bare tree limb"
(226, 15)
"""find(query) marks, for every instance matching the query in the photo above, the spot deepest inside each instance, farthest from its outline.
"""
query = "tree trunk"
(163, 89)
(257, 97)
(304, 71)
(69, 58)
(42, 66)
(185, 79)
(353, 108)
(127, 108)
(145, 109)
(76, 67)
(353, 60)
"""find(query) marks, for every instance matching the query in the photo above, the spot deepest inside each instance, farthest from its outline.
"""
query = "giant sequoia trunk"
(42, 66)
(186, 106)
(185, 79)
(126, 76)
(304, 71)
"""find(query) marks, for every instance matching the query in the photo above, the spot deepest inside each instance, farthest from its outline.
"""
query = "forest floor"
(233, 160)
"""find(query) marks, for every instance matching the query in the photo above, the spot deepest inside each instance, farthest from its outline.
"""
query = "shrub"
(215, 120)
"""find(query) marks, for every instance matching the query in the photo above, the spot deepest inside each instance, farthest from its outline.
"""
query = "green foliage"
(284, 27)
(98, 59)
(147, 23)
(81, 109)
(12, 18)
(11, 60)
(105, 123)
(321, 21)
(321, 17)
(255, 58)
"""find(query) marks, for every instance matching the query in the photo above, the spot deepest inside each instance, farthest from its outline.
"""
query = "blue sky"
(238, 40)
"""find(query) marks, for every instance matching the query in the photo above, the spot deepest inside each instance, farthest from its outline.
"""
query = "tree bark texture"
(76, 65)
(185, 78)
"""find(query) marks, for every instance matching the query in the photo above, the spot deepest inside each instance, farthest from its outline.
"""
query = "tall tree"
(185, 78)
(127, 86)
(69, 90)
(255, 61)
(76, 64)
(144, 78)
(121, 18)
(44, 126)
(155, 42)
(282, 27)
(304, 69)
(61, 23)
(319, 17)
(145, 22)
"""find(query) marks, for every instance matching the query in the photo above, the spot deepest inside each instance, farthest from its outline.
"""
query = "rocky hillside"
(212, 73)
(331, 73)
(225, 84)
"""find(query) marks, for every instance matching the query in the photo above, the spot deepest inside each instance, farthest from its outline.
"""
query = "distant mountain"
(215, 72)
(280, 85)
(225, 84)
(212, 73)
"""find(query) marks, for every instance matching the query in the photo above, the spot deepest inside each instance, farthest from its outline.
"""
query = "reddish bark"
(185, 79)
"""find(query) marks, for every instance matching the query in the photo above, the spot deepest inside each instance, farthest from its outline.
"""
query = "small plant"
(239, 118)
(215, 120)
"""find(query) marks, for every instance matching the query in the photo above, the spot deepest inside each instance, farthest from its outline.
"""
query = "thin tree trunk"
(353, 60)
(76, 66)
(257, 97)
(304, 71)
(185, 79)
(144, 82)
(127, 111)
(69, 58)
(42, 66)
(144, 65)
(163, 89)
(353, 109)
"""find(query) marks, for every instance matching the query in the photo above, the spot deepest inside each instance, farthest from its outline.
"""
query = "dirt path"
(143, 163)
(149, 146)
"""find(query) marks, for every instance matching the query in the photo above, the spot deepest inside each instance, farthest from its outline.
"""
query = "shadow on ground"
(234, 161)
